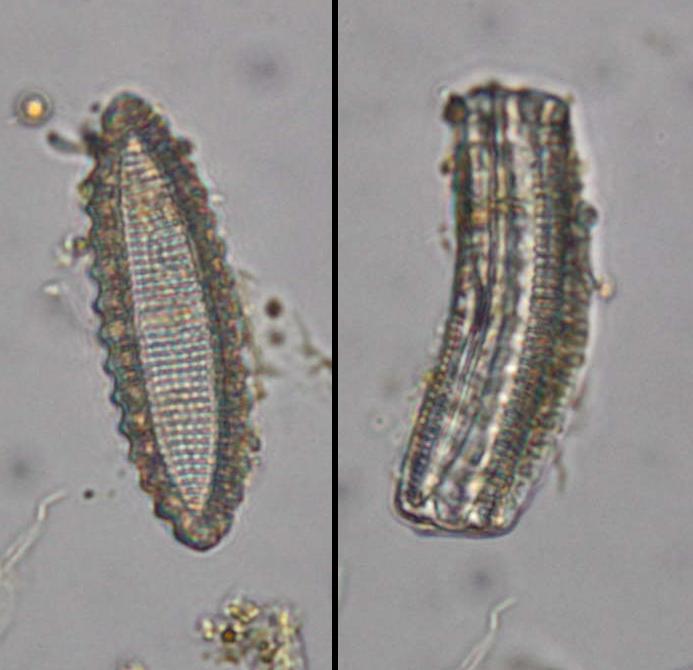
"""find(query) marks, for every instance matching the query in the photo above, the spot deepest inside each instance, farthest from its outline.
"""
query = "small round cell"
(33, 108)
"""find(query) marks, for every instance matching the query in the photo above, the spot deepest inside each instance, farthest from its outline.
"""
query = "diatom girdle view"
(514, 344)
(172, 321)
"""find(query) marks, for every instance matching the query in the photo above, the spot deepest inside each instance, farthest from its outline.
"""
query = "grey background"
(603, 572)
(249, 82)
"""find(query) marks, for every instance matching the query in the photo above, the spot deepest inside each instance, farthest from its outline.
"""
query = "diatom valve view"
(496, 401)
(172, 321)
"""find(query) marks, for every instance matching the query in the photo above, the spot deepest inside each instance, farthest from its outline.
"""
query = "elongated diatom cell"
(495, 403)
(172, 322)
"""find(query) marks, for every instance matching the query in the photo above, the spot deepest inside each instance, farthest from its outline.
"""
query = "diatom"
(172, 322)
(495, 403)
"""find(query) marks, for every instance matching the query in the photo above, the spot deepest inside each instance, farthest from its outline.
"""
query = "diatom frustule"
(172, 322)
(514, 344)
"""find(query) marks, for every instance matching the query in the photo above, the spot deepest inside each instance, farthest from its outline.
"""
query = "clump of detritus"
(255, 636)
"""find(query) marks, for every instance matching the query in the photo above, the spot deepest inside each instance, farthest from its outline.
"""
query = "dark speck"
(274, 308)
(481, 580)
(276, 338)
(489, 23)
(603, 71)
(20, 469)
(660, 43)
(260, 68)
